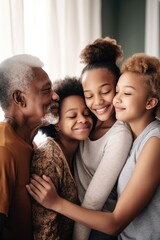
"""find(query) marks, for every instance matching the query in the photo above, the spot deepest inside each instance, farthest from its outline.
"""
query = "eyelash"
(103, 93)
(85, 115)
(72, 117)
(88, 97)
(127, 94)
(46, 91)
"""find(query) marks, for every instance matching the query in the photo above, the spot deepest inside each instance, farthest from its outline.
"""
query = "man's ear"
(151, 103)
(18, 98)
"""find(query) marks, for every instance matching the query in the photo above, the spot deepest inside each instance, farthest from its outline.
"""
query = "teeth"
(101, 110)
(82, 128)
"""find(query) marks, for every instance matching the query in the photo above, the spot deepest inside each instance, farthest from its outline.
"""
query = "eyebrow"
(74, 109)
(71, 109)
(128, 86)
(102, 85)
(47, 85)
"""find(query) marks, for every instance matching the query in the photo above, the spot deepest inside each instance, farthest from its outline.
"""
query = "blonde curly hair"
(149, 68)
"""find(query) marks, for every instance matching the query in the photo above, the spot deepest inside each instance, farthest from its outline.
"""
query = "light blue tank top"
(146, 226)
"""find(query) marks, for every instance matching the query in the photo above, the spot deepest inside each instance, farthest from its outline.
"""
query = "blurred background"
(57, 30)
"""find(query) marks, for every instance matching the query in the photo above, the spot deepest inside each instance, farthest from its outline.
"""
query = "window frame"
(152, 30)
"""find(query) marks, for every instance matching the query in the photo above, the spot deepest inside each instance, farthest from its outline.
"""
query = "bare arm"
(144, 182)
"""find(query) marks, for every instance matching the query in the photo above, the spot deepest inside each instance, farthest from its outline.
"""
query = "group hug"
(96, 174)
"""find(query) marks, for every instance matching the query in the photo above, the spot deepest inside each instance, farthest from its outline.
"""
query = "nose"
(55, 96)
(98, 100)
(81, 119)
(116, 99)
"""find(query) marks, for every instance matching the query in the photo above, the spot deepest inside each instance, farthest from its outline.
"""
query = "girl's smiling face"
(75, 121)
(99, 90)
(132, 98)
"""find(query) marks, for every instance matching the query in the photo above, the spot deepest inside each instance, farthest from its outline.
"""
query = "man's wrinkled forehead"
(40, 80)
(40, 74)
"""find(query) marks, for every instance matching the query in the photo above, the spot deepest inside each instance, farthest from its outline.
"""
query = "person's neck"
(23, 131)
(101, 128)
(69, 148)
(137, 126)
(11, 121)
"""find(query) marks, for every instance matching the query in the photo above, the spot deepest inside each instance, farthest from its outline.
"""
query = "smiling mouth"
(86, 129)
(118, 109)
(102, 110)
(83, 128)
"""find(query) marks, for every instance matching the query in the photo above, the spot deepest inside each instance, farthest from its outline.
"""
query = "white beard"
(49, 118)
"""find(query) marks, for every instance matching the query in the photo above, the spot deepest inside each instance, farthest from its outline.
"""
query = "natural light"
(53, 30)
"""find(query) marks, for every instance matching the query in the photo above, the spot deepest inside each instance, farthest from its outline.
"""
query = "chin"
(102, 118)
(119, 118)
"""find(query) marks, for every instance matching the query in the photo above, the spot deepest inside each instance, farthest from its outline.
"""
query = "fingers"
(42, 190)
(48, 183)
(47, 179)
(38, 179)
(32, 193)
(41, 182)
(37, 187)
(37, 191)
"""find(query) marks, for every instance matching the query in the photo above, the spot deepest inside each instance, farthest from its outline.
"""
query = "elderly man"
(28, 102)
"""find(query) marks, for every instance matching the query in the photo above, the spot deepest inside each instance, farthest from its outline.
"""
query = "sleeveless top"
(146, 226)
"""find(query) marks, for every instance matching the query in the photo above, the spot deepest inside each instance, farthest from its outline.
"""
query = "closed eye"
(105, 92)
(46, 90)
(71, 117)
(88, 97)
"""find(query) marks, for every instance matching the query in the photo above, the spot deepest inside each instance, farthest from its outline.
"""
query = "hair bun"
(102, 50)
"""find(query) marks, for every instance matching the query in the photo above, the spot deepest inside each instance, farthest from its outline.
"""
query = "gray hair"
(15, 74)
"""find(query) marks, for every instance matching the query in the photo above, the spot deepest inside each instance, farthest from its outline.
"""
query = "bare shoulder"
(151, 149)
(144, 182)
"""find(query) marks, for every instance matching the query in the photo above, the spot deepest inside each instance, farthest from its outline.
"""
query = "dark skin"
(144, 180)
(26, 111)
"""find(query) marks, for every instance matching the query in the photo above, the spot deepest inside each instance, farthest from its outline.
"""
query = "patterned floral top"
(50, 160)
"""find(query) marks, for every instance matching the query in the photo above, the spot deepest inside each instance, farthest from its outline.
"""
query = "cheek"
(88, 103)
(114, 101)
(65, 124)
(111, 96)
(90, 120)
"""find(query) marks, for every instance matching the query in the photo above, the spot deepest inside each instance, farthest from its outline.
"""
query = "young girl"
(101, 157)
(137, 213)
(54, 158)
